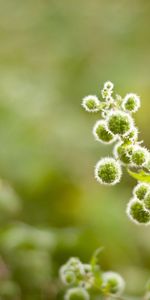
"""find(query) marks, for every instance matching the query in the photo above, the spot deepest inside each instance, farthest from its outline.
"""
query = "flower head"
(102, 134)
(91, 103)
(141, 190)
(131, 103)
(123, 152)
(77, 293)
(108, 85)
(108, 171)
(113, 283)
(140, 156)
(137, 213)
(147, 201)
(119, 122)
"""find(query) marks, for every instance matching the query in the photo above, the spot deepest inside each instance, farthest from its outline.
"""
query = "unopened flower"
(113, 283)
(102, 134)
(108, 85)
(91, 103)
(147, 201)
(77, 293)
(131, 103)
(123, 152)
(108, 171)
(137, 213)
(119, 122)
(140, 156)
(141, 190)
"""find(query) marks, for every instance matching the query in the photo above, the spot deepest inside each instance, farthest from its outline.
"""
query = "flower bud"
(77, 293)
(132, 136)
(108, 171)
(113, 283)
(137, 213)
(131, 103)
(102, 134)
(140, 156)
(141, 190)
(91, 103)
(108, 85)
(147, 201)
(123, 152)
(119, 122)
(106, 93)
(67, 276)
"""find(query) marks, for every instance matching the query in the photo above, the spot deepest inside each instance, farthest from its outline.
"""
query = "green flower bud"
(108, 85)
(77, 293)
(102, 134)
(113, 283)
(140, 156)
(131, 136)
(108, 171)
(131, 103)
(67, 276)
(137, 213)
(119, 122)
(147, 201)
(123, 152)
(106, 93)
(91, 103)
(141, 190)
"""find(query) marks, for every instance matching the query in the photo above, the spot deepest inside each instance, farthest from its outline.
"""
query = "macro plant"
(116, 125)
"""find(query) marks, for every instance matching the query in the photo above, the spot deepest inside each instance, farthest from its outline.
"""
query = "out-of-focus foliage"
(52, 53)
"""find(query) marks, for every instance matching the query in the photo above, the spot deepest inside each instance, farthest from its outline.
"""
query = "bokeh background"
(52, 53)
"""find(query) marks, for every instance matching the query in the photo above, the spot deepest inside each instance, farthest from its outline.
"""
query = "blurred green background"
(52, 54)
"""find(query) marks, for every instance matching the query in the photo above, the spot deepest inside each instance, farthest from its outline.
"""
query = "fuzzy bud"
(91, 103)
(102, 134)
(77, 293)
(137, 213)
(108, 171)
(119, 122)
(141, 190)
(147, 201)
(140, 156)
(108, 85)
(131, 103)
(113, 283)
(123, 152)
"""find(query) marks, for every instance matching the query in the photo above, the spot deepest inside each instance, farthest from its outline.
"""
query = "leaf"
(95, 257)
(96, 268)
(140, 176)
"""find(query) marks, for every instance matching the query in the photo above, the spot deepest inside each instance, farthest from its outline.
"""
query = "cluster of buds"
(84, 280)
(116, 125)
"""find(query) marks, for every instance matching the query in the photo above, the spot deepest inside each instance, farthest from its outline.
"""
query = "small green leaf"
(140, 176)
(96, 268)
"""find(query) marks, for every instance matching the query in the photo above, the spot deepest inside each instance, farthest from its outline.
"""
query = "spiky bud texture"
(131, 103)
(147, 201)
(140, 156)
(77, 293)
(108, 171)
(113, 283)
(119, 122)
(108, 85)
(140, 190)
(91, 103)
(102, 134)
(132, 136)
(137, 213)
(123, 152)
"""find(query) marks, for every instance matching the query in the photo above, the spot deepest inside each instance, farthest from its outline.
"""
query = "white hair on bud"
(104, 161)
(136, 100)
(93, 98)
(110, 275)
